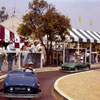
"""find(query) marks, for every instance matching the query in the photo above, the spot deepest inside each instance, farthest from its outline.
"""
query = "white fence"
(19, 57)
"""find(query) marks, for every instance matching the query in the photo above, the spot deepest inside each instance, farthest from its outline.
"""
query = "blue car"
(22, 84)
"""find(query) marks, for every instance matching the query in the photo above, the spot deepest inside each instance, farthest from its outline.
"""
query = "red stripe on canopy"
(2, 35)
(17, 45)
(12, 36)
(21, 39)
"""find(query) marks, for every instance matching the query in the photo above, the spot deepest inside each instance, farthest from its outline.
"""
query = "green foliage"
(3, 14)
(3, 55)
(24, 30)
(55, 24)
(44, 20)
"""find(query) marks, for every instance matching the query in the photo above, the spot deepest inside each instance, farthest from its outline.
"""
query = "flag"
(80, 20)
(68, 18)
(90, 22)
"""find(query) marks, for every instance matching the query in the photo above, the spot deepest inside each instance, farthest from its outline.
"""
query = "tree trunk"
(48, 50)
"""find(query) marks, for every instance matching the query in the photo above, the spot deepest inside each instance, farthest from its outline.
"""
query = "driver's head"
(30, 65)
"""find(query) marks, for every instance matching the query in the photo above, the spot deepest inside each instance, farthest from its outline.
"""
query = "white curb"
(59, 91)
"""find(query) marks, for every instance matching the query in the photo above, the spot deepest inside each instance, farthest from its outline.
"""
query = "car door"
(83, 65)
(80, 65)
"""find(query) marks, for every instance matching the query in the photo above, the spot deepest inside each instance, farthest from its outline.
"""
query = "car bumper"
(13, 95)
(69, 71)
(74, 71)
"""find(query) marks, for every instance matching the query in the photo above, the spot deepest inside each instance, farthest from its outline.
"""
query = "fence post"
(41, 63)
(19, 67)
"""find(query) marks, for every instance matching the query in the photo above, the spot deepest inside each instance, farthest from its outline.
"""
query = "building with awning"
(8, 31)
(6, 35)
(79, 37)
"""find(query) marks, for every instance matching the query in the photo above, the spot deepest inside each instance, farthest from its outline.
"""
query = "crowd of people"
(73, 55)
(33, 53)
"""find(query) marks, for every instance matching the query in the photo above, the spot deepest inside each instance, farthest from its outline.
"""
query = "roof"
(78, 35)
(12, 23)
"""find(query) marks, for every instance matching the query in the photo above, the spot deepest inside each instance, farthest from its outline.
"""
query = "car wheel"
(88, 68)
(76, 69)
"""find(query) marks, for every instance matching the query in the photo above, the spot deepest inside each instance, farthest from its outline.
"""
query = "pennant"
(90, 22)
(67, 17)
(80, 20)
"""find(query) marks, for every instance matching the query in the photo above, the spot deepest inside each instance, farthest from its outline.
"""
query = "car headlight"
(38, 84)
(28, 89)
(11, 88)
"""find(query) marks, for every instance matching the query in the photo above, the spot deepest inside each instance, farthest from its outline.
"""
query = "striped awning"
(6, 36)
(78, 35)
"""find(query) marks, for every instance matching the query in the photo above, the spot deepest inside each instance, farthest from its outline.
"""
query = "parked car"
(22, 84)
(75, 66)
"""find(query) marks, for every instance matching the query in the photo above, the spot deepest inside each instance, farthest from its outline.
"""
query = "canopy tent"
(6, 36)
(83, 36)
(78, 35)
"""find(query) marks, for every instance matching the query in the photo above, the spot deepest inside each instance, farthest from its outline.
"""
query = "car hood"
(71, 64)
(21, 79)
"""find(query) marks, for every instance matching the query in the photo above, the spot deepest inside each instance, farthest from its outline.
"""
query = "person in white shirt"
(33, 48)
(10, 47)
(36, 55)
(1, 57)
(11, 56)
(26, 58)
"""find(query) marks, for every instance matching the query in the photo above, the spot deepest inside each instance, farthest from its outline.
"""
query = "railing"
(19, 56)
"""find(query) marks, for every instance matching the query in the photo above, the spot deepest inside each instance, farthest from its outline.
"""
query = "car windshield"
(75, 61)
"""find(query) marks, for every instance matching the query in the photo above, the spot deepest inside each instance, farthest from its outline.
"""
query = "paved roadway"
(46, 80)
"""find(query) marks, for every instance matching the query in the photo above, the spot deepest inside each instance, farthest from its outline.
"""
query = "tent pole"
(64, 54)
(78, 47)
(19, 60)
(85, 55)
(90, 53)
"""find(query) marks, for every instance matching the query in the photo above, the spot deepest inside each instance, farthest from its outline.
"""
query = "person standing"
(36, 48)
(43, 54)
(27, 54)
(2, 56)
(11, 56)
(25, 59)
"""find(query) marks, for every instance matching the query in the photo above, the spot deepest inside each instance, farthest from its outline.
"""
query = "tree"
(44, 20)
(3, 14)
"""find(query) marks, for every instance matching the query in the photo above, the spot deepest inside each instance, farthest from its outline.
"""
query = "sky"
(85, 9)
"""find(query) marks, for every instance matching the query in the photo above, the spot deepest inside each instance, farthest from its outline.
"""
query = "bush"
(4, 55)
